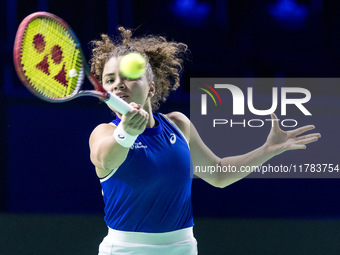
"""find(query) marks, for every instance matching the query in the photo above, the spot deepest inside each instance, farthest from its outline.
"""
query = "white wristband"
(123, 138)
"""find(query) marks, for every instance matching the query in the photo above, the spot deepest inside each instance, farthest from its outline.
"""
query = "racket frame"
(99, 91)
(112, 100)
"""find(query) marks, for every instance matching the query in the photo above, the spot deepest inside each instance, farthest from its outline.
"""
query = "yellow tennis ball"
(132, 65)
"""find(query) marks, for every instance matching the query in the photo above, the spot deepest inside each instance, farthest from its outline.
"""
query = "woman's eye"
(109, 81)
(130, 79)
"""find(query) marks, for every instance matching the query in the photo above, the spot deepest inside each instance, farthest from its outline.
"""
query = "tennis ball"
(132, 65)
(72, 73)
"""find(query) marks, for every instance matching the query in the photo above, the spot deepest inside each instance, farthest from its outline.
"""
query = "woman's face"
(138, 91)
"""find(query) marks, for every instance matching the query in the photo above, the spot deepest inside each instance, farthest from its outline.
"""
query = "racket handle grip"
(118, 104)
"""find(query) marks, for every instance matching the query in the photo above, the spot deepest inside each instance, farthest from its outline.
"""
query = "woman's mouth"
(122, 96)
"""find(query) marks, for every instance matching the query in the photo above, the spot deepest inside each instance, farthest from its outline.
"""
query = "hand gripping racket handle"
(118, 104)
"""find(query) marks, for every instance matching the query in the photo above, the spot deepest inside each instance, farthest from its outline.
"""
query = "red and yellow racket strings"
(48, 54)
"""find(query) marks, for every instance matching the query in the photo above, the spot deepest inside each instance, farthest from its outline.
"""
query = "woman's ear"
(152, 89)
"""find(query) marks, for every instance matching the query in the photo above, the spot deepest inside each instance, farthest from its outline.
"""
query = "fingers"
(135, 113)
(315, 135)
(136, 118)
(135, 121)
(136, 106)
(273, 115)
(298, 147)
(307, 140)
(301, 141)
(141, 122)
(275, 121)
(302, 130)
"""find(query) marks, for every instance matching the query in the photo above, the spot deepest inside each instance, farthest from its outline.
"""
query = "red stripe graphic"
(215, 92)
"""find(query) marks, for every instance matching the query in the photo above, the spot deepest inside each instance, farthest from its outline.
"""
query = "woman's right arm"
(105, 152)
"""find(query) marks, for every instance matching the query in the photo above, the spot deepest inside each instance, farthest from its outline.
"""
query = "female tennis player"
(143, 157)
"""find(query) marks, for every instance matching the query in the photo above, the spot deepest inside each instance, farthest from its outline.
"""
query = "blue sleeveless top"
(151, 191)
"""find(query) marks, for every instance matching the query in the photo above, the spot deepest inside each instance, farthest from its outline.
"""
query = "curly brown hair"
(164, 59)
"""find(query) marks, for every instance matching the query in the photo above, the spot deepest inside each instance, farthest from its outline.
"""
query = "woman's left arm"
(278, 141)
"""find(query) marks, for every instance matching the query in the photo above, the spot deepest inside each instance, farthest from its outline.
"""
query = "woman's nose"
(118, 85)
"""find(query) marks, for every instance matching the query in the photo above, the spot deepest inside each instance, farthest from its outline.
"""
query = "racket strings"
(51, 59)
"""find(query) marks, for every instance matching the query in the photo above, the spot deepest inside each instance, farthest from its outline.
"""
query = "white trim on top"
(109, 176)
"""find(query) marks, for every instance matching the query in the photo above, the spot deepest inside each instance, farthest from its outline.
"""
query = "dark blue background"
(44, 153)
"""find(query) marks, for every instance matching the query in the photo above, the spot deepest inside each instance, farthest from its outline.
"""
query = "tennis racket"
(49, 61)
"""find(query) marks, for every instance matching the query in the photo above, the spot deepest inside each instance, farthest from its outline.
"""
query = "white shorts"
(179, 242)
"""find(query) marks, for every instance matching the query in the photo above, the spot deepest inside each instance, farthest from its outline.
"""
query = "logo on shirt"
(139, 145)
(172, 138)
